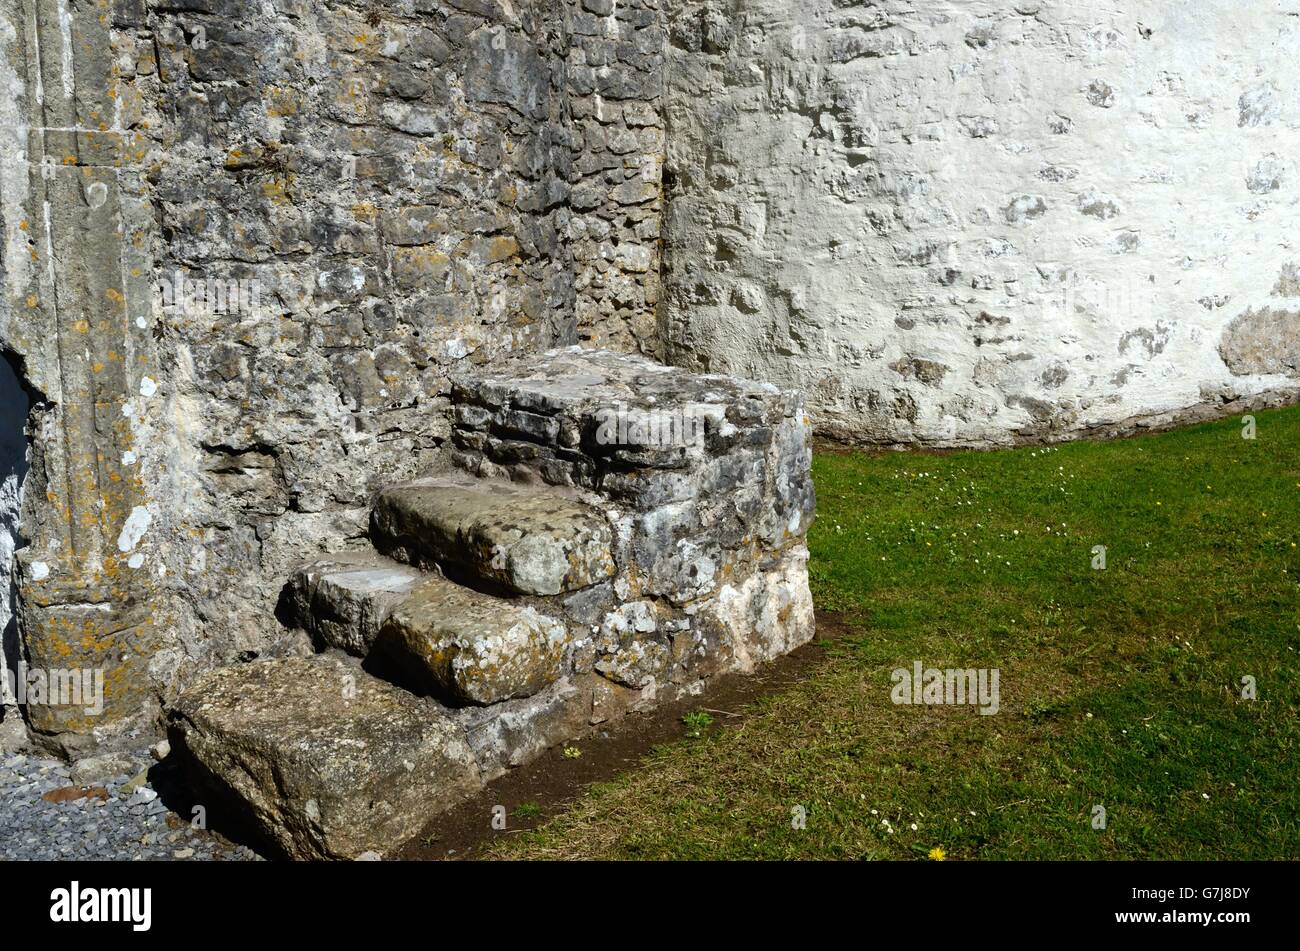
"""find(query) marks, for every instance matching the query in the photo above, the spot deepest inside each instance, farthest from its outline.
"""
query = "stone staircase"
(603, 534)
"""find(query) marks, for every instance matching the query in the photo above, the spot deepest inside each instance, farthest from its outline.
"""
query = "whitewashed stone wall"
(971, 222)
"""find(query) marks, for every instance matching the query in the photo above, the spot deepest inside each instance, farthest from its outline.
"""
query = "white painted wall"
(972, 222)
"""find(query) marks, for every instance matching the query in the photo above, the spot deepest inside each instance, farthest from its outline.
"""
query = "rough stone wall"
(971, 222)
(393, 177)
(260, 235)
(615, 84)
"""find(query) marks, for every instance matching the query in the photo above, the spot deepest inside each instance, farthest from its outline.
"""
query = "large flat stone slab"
(632, 429)
(470, 648)
(529, 539)
(343, 600)
(327, 761)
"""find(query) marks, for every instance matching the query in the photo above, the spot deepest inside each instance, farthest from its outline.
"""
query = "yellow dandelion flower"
(937, 854)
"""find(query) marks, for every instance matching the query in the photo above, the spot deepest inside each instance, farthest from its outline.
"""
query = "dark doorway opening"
(15, 404)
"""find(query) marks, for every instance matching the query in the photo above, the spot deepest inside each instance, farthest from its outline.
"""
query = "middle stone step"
(466, 647)
(529, 539)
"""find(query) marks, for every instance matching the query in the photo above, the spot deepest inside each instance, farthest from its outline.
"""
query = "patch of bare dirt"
(553, 779)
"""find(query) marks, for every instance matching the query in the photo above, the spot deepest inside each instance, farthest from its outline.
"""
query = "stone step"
(532, 540)
(343, 600)
(634, 430)
(469, 648)
(326, 760)
(617, 535)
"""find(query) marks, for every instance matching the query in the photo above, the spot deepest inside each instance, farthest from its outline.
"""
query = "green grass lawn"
(1119, 688)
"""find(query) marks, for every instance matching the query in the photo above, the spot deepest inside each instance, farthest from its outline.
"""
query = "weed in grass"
(696, 721)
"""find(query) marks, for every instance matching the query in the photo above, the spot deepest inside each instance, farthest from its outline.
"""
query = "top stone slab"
(622, 424)
(577, 383)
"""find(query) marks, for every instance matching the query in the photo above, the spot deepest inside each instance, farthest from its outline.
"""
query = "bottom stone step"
(330, 761)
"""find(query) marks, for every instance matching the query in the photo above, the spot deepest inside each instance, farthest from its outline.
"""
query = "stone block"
(471, 648)
(1263, 340)
(768, 614)
(343, 600)
(530, 539)
(327, 761)
(626, 419)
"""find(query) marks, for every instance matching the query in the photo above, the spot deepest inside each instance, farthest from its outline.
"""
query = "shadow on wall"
(14, 407)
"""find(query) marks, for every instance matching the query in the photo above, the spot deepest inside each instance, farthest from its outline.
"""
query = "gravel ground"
(134, 823)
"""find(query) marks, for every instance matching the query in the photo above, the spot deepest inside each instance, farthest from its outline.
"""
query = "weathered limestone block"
(471, 648)
(637, 431)
(93, 659)
(530, 540)
(511, 734)
(768, 614)
(343, 600)
(327, 761)
(631, 645)
(1266, 340)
